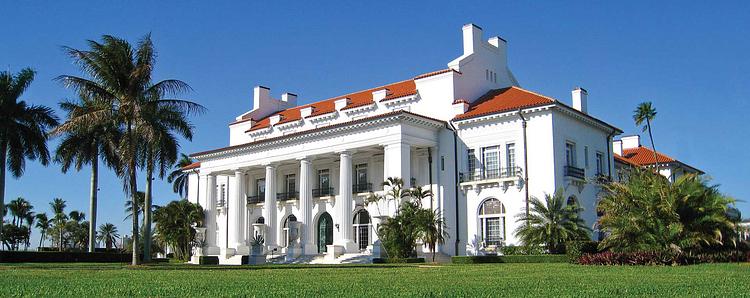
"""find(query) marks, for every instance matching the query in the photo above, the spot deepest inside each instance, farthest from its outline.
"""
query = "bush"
(576, 249)
(522, 250)
(661, 258)
(208, 260)
(62, 257)
(397, 260)
(510, 259)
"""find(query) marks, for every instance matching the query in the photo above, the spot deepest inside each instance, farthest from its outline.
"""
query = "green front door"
(325, 232)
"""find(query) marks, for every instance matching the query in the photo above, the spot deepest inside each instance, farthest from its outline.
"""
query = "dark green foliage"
(550, 223)
(575, 249)
(396, 261)
(510, 259)
(62, 257)
(208, 260)
(522, 250)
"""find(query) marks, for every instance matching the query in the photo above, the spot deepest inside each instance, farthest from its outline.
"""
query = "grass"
(385, 280)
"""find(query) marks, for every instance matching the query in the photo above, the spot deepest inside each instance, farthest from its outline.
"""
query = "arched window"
(492, 222)
(361, 225)
(285, 229)
(260, 220)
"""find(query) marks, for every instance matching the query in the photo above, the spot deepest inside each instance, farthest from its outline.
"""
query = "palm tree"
(77, 216)
(121, 79)
(161, 154)
(109, 235)
(551, 223)
(434, 229)
(23, 128)
(140, 197)
(43, 224)
(418, 194)
(178, 177)
(645, 112)
(174, 224)
(58, 208)
(86, 145)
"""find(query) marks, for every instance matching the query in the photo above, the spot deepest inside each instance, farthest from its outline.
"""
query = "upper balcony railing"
(487, 174)
(256, 199)
(578, 173)
(287, 196)
(323, 192)
(361, 187)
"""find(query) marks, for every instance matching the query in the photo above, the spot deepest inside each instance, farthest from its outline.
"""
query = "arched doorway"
(325, 232)
(361, 227)
(285, 228)
(492, 222)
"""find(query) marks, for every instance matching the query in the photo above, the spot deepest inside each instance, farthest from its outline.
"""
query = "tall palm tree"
(86, 145)
(58, 208)
(23, 128)
(77, 216)
(178, 177)
(109, 235)
(120, 77)
(645, 112)
(551, 223)
(434, 229)
(43, 224)
(161, 153)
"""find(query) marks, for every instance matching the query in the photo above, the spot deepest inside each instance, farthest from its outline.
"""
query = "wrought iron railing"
(322, 192)
(260, 198)
(286, 196)
(362, 187)
(487, 174)
(571, 171)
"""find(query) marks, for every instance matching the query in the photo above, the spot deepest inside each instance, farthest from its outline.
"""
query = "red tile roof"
(624, 160)
(357, 99)
(503, 100)
(643, 156)
(191, 166)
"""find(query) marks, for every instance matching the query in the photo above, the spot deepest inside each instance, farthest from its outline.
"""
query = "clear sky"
(690, 60)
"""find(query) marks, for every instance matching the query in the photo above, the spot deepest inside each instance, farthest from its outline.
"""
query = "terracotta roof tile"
(624, 160)
(643, 156)
(191, 166)
(503, 100)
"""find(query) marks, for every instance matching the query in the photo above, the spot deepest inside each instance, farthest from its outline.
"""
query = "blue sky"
(690, 60)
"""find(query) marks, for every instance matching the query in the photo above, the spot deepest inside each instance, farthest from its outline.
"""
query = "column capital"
(240, 172)
(305, 158)
(272, 165)
(346, 151)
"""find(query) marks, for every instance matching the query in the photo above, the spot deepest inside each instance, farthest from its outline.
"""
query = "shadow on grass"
(173, 266)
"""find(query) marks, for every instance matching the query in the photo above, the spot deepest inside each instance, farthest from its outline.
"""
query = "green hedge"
(510, 259)
(391, 261)
(575, 249)
(62, 257)
(208, 260)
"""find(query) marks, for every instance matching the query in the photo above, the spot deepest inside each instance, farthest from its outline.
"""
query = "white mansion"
(469, 133)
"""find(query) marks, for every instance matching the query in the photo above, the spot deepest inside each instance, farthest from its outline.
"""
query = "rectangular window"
(360, 172)
(570, 154)
(472, 163)
(510, 158)
(491, 162)
(494, 228)
(599, 163)
(442, 163)
(324, 179)
(260, 186)
(291, 183)
(586, 156)
(222, 194)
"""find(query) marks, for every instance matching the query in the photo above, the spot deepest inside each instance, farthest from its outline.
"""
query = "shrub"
(208, 260)
(522, 250)
(62, 257)
(510, 259)
(397, 260)
(661, 258)
(576, 249)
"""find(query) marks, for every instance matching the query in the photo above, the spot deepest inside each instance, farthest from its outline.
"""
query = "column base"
(227, 252)
(242, 250)
(211, 251)
(310, 249)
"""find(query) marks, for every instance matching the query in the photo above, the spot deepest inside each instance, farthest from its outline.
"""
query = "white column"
(397, 157)
(210, 209)
(237, 212)
(269, 207)
(305, 205)
(344, 202)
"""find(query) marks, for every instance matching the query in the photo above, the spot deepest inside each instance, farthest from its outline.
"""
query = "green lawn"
(373, 280)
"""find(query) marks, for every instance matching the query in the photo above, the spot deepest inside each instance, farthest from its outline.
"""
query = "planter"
(257, 250)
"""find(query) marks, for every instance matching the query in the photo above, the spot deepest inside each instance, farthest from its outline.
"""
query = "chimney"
(617, 147)
(472, 38)
(289, 98)
(580, 98)
(631, 142)
(260, 93)
(379, 95)
(306, 111)
(341, 103)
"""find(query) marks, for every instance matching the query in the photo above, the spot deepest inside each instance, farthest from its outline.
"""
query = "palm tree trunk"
(134, 200)
(60, 240)
(41, 239)
(92, 201)
(147, 210)
(3, 155)
(653, 146)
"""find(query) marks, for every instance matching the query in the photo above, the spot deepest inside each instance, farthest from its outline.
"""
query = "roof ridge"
(532, 92)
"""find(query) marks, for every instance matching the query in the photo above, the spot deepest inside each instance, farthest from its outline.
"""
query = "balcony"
(256, 199)
(573, 172)
(361, 187)
(287, 196)
(490, 174)
(323, 192)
